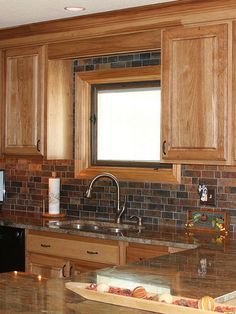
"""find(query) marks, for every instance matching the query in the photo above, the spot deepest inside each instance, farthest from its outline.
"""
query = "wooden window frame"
(83, 166)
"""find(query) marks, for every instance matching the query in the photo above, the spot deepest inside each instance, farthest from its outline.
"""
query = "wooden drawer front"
(140, 252)
(94, 252)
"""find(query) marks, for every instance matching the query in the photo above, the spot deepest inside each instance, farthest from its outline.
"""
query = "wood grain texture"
(128, 21)
(47, 266)
(140, 41)
(194, 98)
(233, 117)
(80, 266)
(77, 249)
(138, 252)
(83, 167)
(60, 110)
(1, 100)
(24, 101)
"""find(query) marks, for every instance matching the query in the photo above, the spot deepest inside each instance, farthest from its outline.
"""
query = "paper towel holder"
(46, 214)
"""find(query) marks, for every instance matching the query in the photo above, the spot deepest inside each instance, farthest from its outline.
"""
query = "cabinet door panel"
(24, 101)
(2, 82)
(80, 266)
(139, 252)
(194, 84)
(234, 94)
(47, 266)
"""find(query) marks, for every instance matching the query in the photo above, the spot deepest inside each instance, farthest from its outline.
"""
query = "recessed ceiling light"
(74, 9)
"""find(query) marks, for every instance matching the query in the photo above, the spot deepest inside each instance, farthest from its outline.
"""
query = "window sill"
(133, 174)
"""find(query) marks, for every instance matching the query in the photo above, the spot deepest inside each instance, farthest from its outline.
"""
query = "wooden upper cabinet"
(1, 100)
(234, 94)
(24, 101)
(38, 102)
(194, 94)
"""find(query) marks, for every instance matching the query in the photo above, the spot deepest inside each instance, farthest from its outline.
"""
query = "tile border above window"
(83, 168)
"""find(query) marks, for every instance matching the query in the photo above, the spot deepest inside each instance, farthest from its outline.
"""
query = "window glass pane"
(128, 124)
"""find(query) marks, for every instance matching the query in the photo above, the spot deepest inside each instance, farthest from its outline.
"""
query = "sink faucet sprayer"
(120, 211)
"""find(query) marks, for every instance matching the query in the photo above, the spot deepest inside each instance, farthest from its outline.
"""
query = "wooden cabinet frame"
(83, 167)
(24, 101)
(1, 100)
(195, 98)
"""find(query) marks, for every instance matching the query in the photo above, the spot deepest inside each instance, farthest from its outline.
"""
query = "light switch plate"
(211, 198)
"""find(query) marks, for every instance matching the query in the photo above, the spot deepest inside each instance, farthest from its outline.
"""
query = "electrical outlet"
(211, 198)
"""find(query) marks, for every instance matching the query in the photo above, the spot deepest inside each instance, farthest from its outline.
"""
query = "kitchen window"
(90, 161)
(125, 124)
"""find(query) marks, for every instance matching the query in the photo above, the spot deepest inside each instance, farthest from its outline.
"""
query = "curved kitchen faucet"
(120, 211)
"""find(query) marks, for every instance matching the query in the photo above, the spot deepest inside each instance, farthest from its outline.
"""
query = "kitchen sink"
(94, 226)
(80, 227)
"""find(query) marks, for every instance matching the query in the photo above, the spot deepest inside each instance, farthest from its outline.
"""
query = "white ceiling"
(19, 12)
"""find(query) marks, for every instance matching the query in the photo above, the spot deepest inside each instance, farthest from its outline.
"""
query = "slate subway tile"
(230, 189)
(174, 201)
(182, 195)
(192, 173)
(189, 202)
(155, 186)
(153, 199)
(161, 193)
(228, 174)
(168, 215)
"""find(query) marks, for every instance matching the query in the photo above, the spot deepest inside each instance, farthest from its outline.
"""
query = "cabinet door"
(194, 94)
(47, 266)
(1, 100)
(234, 94)
(139, 252)
(79, 266)
(24, 101)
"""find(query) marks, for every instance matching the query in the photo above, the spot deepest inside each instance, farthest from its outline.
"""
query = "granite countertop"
(156, 235)
(24, 293)
(192, 273)
(208, 269)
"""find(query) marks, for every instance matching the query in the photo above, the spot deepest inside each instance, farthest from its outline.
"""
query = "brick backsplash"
(157, 203)
(118, 61)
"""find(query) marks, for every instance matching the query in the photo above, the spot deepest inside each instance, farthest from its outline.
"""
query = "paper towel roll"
(54, 196)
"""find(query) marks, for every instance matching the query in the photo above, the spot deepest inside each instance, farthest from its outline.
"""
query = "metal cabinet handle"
(92, 252)
(71, 268)
(38, 145)
(164, 147)
(63, 270)
(45, 245)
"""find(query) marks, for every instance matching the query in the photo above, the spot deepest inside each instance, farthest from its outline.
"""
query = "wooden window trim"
(83, 167)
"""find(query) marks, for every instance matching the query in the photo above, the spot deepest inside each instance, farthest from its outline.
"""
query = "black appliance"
(12, 245)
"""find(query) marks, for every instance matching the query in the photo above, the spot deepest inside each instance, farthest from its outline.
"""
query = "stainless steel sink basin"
(115, 230)
(80, 227)
(94, 226)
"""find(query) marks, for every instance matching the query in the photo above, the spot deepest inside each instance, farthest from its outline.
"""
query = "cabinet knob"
(71, 269)
(92, 252)
(164, 147)
(38, 145)
(45, 245)
(63, 271)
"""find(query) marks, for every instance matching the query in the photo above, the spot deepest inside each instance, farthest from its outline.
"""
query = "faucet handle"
(139, 220)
